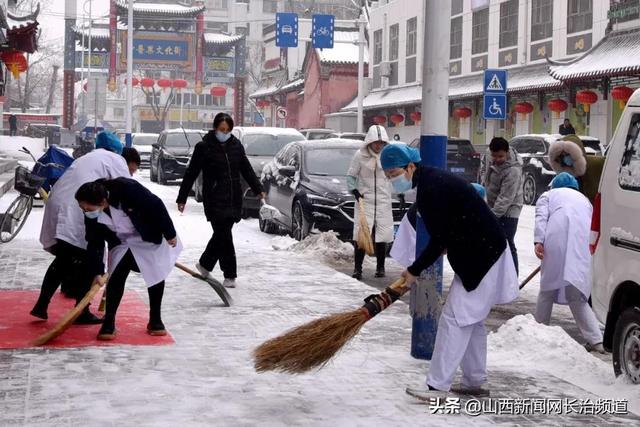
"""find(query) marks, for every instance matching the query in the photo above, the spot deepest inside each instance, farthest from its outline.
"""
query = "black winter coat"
(459, 221)
(145, 210)
(222, 164)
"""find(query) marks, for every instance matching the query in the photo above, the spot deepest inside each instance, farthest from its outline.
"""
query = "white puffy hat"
(376, 133)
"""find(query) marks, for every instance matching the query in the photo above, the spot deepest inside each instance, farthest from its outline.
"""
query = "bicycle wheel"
(15, 217)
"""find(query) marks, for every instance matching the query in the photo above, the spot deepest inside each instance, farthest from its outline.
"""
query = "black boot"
(87, 318)
(40, 310)
(155, 326)
(381, 254)
(108, 329)
(359, 259)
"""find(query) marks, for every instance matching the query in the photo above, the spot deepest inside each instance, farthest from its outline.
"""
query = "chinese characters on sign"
(160, 50)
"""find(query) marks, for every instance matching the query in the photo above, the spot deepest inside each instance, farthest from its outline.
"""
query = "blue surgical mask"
(401, 184)
(93, 214)
(222, 137)
(567, 160)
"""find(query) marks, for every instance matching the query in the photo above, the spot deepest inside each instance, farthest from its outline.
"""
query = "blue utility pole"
(426, 294)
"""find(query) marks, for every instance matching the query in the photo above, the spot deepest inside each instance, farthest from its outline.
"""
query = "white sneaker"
(424, 394)
(470, 390)
(597, 348)
(203, 271)
(229, 283)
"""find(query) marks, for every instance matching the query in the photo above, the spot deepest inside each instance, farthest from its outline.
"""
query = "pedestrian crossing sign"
(495, 81)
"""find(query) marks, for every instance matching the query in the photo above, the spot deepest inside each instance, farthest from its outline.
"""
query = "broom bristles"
(311, 345)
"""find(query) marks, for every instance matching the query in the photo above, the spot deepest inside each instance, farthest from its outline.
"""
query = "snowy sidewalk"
(207, 377)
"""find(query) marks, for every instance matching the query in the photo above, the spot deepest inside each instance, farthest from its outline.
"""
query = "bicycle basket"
(26, 182)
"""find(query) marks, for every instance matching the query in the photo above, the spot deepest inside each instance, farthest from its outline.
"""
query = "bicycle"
(28, 185)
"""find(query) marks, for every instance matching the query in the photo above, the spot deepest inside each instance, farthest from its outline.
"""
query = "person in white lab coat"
(460, 223)
(366, 181)
(141, 237)
(561, 236)
(63, 233)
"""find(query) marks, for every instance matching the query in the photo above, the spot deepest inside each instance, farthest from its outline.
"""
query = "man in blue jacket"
(460, 223)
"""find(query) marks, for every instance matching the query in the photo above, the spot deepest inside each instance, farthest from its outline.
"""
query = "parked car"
(616, 245)
(347, 135)
(143, 142)
(172, 152)
(307, 183)
(311, 134)
(51, 132)
(260, 144)
(462, 158)
(537, 172)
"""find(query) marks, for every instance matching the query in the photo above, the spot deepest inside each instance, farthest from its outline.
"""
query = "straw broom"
(313, 344)
(364, 240)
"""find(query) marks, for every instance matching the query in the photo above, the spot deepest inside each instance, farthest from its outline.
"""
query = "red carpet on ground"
(18, 328)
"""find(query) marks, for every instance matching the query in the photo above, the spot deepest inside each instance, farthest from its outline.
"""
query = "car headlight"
(320, 200)
(168, 155)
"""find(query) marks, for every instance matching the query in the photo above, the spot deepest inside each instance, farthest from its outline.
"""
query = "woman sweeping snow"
(140, 234)
(366, 180)
(561, 236)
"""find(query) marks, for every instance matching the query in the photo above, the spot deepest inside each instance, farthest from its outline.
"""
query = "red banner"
(68, 106)
(199, 61)
(238, 101)
(113, 48)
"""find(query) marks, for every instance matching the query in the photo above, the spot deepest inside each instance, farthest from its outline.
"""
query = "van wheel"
(530, 189)
(300, 227)
(626, 345)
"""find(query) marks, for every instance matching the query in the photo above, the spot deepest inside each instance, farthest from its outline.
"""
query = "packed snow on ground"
(325, 246)
(526, 345)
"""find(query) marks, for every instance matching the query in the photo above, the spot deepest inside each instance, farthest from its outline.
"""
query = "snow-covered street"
(207, 376)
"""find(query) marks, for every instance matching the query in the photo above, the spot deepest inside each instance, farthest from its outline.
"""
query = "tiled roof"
(343, 53)
(160, 8)
(221, 39)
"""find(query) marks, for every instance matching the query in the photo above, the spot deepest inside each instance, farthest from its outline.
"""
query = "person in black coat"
(566, 128)
(459, 223)
(221, 158)
(140, 236)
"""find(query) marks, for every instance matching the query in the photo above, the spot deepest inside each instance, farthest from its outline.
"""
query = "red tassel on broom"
(313, 344)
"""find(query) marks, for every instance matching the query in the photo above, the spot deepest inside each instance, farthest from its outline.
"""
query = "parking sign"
(322, 31)
(286, 30)
(495, 107)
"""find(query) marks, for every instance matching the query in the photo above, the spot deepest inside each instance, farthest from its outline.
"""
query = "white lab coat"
(563, 221)
(63, 219)
(376, 189)
(154, 261)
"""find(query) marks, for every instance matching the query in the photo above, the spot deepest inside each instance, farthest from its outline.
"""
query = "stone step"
(7, 165)
(6, 182)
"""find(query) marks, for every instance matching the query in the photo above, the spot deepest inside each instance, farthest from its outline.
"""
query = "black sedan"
(171, 154)
(306, 182)
(462, 158)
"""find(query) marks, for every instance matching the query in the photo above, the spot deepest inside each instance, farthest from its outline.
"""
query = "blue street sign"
(322, 31)
(495, 107)
(286, 30)
(495, 81)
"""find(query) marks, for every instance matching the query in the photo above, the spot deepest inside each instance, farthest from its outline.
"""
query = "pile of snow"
(526, 345)
(326, 246)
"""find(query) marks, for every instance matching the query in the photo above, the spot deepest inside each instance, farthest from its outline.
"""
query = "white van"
(615, 243)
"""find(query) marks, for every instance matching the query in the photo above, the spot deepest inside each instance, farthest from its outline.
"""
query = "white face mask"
(93, 214)
(401, 184)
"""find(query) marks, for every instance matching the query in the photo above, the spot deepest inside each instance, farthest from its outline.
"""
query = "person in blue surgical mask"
(460, 224)
(222, 160)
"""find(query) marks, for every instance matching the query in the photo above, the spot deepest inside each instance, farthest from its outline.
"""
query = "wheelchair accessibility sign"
(495, 94)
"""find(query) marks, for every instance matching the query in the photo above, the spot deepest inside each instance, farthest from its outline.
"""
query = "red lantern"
(586, 98)
(379, 120)
(165, 83)
(523, 108)
(462, 112)
(416, 116)
(557, 105)
(396, 119)
(180, 84)
(262, 103)
(134, 82)
(15, 61)
(147, 82)
(621, 94)
(218, 91)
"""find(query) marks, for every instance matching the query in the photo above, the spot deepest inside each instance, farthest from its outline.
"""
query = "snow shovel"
(217, 286)
(70, 317)
(364, 240)
(530, 277)
(268, 212)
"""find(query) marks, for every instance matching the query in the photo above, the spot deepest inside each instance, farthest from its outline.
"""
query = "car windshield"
(178, 139)
(594, 144)
(329, 161)
(147, 139)
(462, 147)
(267, 145)
(353, 136)
(317, 135)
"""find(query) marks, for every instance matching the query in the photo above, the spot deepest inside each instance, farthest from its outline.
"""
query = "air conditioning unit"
(385, 69)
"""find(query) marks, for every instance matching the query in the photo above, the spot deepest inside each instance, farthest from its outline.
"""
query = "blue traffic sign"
(495, 81)
(322, 31)
(286, 30)
(495, 107)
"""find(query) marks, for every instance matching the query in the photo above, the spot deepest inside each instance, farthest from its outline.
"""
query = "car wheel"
(162, 180)
(300, 226)
(626, 345)
(267, 226)
(530, 189)
(153, 176)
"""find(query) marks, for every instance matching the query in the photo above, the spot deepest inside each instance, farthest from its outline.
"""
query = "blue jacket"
(146, 211)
